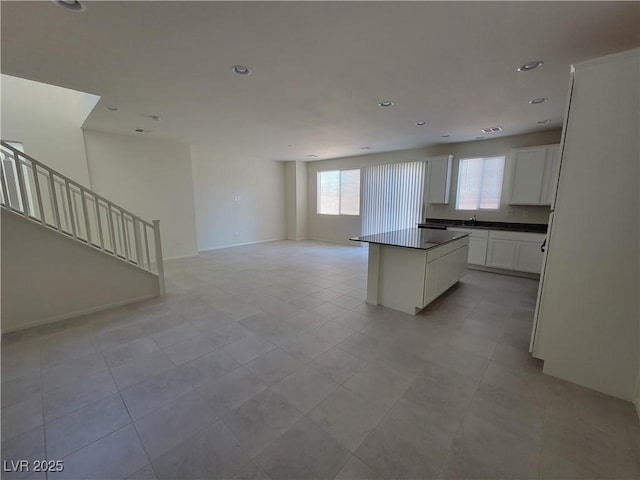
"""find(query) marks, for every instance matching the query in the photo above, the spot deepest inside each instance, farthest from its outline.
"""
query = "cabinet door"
(552, 167)
(463, 254)
(477, 251)
(444, 273)
(528, 175)
(529, 257)
(431, 281)
(502, 254)
(439, 172)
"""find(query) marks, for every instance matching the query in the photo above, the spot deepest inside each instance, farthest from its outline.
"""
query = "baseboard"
(513, 273)
(210, 249)
(78, 313)
(179, 257)
(347, 243)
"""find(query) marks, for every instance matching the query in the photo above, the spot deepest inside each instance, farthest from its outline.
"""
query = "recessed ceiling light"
(142, 130)
(421, 124)
(537, 101)
(492, 129)
(241, 70)
(544, 121)
(312, 156)
(385, 103)
(445, 136)
(72, 5)
(527, 67)
(365, 148)
(111, 108)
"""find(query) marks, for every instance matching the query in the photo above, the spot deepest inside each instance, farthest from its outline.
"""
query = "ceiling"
(318, 69)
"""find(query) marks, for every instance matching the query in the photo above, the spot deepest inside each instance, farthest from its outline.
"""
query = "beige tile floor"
(264, 362)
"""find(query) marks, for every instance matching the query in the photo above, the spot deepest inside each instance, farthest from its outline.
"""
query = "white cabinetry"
(439, 179)
(431, 281)
(408, 279)
(518, 251)
(550, 180)
(501, 253)
(477, 245)
(535, 174)
(445, 266)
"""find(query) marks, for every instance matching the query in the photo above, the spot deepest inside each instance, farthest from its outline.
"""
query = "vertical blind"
(392, 196)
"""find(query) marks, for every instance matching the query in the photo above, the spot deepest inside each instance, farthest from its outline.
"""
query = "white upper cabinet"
(439, 178)
(552, 168)
(535, 174)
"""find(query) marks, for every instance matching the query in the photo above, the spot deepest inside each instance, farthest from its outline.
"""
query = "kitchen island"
(409, 269)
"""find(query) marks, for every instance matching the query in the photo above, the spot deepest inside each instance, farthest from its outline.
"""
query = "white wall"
(47, 276)
(258, 213)
(334, 228)
(301, 201)
(290, 209)
(296, 200)
(47, 120)
(152, 179)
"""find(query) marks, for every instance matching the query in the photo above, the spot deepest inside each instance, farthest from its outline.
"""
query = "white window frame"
(319, 174)
(478, 208)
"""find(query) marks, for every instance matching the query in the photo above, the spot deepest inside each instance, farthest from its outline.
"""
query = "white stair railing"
(39, 193)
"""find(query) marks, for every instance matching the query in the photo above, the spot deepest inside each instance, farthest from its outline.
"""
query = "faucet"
(473, 219)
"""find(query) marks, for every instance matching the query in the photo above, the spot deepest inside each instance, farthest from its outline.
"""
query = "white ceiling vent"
(492, 130)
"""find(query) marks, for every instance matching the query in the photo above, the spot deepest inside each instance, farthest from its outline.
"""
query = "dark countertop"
(506, 226)
(419, 238)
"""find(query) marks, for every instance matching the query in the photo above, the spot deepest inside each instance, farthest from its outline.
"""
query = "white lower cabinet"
(477, 250)
(501, 253)
(529, 258)
(518, 251)
(444, 268)
(408, 279)
(477, 245)
(462, 254)
(431, 281)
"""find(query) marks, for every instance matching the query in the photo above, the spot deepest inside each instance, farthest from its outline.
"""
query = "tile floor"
(264, 362)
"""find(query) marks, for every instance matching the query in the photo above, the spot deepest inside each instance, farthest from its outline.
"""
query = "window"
(479, 183)
(339, 192)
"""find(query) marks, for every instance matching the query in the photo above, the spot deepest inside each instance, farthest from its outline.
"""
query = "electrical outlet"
(236, 235)
(525, 213)
(236, 198)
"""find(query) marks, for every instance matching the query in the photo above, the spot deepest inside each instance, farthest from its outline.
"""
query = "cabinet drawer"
(434, 254)
(517, 236)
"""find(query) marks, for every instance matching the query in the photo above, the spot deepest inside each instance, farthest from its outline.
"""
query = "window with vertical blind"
(479, 183)
(392, 196)
(339, 192)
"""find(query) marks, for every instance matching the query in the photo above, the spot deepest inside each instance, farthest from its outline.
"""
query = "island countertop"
(418, 238)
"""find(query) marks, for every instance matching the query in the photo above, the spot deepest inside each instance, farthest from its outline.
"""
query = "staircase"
(40, 195)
